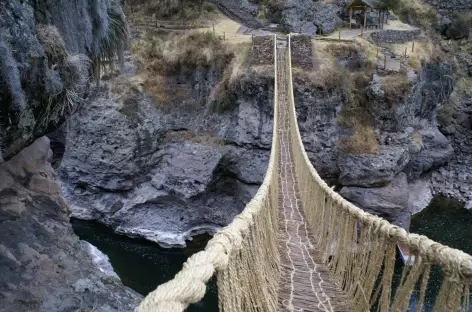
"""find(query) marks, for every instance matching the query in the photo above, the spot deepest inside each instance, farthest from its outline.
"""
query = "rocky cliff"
(46, 52)
(44, 266)
(46, 49)
(167, 171)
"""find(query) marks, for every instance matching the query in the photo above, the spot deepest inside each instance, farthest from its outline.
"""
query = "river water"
(143, 265)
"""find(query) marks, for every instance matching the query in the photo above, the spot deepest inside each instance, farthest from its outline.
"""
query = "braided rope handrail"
(454, 259)
(189, 285)
(247, 276)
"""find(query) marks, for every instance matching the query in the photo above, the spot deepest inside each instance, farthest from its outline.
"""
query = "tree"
(385, 6)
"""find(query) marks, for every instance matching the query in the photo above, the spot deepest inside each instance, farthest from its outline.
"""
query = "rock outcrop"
(306, 17)
(389, 202)
(44, 266)
(45, 52)
(166, 173)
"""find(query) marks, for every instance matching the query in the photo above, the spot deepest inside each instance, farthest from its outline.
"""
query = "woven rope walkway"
(298, 246)
(305, 284)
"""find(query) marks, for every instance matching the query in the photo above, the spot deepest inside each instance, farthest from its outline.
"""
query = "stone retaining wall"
(395, 36)
(302, 52)
(262, 50)
(449, 7)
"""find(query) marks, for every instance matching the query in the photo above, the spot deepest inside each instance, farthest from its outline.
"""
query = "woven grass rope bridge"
(299, 246)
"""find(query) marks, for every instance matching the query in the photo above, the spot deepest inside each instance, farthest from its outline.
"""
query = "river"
(143, 265)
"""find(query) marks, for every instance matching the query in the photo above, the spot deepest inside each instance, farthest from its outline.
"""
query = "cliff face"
(167, 171)
(45, 52)
(44, 265)
(46, 49)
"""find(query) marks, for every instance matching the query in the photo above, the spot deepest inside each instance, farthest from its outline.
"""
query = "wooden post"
(405, 51)
(350, 18)
(385, 62)
(401, 62)
(413, 47)
(339, 35)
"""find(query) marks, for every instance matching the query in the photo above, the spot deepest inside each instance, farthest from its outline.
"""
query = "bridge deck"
(305, 284)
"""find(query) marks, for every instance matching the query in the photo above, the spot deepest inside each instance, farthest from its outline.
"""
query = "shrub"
(460, 27)
(419, 13)
(357, 116)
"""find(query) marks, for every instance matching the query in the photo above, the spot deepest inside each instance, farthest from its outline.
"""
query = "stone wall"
(395, 36)
(449, 7)
(262, 50)
(302, 52)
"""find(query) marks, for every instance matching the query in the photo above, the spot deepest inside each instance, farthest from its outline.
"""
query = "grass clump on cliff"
(66, 77)
(181, 54)
(356, 115)
(171, 9)
(221, 98)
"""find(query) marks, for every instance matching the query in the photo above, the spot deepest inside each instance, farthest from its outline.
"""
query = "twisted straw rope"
(189, 285)
(453, 261)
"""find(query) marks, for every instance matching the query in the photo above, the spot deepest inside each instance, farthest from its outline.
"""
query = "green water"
(446, 221)
(142, 265)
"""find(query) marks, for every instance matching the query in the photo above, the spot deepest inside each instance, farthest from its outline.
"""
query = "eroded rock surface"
(44, 266)
(42, 76)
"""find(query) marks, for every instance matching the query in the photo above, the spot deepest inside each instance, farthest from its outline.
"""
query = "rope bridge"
(299, 246)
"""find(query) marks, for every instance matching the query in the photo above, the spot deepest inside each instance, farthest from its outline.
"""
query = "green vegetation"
(387, 5)
(419, 13)
(460, 27)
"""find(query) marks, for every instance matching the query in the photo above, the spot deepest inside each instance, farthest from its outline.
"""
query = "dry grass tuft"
(190, 51)
(416, 142)
(220, 99)
(159, 58)
(52, 42)
(357, 116)
(329, 77)
(172, 9)
(363, 141)
(395, 88)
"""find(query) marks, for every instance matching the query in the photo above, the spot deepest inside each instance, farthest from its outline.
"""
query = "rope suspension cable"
(357, 248)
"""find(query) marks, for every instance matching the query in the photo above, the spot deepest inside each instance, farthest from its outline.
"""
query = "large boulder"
(44, 266)
(306, 16)
(371, 170)
(431, 150)
(389, 202)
